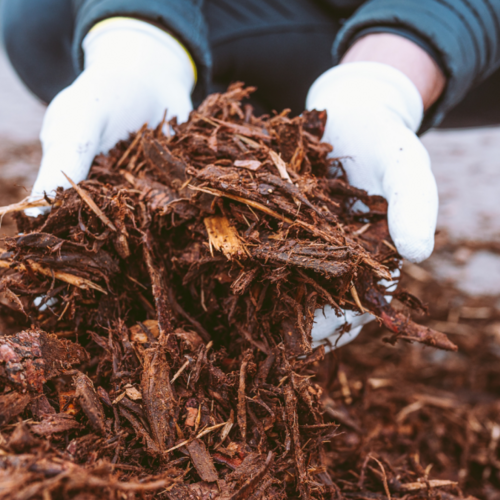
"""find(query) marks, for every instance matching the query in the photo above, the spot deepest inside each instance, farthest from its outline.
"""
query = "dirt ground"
(460, 283)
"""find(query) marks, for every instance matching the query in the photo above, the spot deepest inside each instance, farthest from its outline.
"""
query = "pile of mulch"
(162, 315)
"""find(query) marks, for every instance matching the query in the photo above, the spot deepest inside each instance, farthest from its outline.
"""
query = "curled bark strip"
(90, 402)
(92, 204)
(242, 405)
(253, 482)
(293, 425)
(159, 292)
(158, 397)
(11, 405)
(202, 460)
(406, 329)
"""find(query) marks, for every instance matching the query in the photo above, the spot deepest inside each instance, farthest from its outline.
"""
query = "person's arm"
(461, 36)
(404, 55)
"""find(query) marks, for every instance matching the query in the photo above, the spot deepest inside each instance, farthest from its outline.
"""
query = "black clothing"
(38, 37)
(279, 45)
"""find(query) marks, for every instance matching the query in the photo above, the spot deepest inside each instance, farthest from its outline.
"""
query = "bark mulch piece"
(181, 281)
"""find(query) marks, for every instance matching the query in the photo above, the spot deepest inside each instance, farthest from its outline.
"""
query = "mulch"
(157, 329)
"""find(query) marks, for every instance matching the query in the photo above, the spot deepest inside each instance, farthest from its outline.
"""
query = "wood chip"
(202, 460)
(280, 165)
(224, 237)
(249, 164)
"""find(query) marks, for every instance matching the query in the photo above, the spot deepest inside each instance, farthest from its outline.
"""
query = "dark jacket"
(462, 35)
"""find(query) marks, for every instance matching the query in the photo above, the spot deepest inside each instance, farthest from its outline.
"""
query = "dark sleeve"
(183, 18)
(463, 36)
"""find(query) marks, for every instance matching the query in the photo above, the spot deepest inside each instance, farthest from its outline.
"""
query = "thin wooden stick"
(202, 433)
(71, 279)
(132, 145)
(91, 203)
(355, 296)
(23, 205)
(179, 371)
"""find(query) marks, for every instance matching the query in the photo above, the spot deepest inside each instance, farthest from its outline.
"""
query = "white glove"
(133, 73)
(374, 111)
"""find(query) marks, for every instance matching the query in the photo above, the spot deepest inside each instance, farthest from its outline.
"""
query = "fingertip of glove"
(415, 251)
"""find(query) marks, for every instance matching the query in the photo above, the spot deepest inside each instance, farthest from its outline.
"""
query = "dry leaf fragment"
(139, 333)
(119, 398)
(192, 413)
(226, 429)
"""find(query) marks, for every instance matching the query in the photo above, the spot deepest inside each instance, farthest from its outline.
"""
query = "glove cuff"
(120, 40)
(368, 84)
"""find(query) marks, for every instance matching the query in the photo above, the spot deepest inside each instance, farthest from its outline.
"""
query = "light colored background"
(466, 164)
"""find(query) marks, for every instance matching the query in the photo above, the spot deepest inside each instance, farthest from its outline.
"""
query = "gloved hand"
(374, 111)
(133, 73)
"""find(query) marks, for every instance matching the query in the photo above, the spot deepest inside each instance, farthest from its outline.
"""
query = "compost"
(162, 315)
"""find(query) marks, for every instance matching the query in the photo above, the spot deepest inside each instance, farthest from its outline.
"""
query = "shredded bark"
(180, 283)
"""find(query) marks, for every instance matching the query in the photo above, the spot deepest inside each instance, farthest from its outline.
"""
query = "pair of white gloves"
(135, 71)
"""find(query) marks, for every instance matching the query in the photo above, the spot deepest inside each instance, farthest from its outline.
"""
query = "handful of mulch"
(181, 282)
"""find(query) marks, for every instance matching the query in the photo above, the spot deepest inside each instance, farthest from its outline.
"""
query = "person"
(385, 71)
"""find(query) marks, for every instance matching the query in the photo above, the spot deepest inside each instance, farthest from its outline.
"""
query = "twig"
(316, 232)
(91, 203)
(71, 279)
(132, 146)
(242, 407)
(23, 205)
(433, 483)
(179, 371)
(355, 296)
(202, 433)
(384, 478)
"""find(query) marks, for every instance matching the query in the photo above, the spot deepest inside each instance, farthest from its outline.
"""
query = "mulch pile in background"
(420, 412)
(181, 281)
